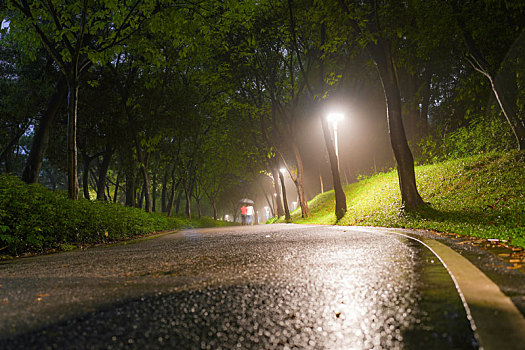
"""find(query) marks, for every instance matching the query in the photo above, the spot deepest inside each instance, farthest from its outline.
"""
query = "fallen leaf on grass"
(496, 266)
(41, 296)
(516, 266)
(515, 260)
(504, 255)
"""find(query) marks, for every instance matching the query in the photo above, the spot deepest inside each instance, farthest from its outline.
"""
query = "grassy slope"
(482, 196)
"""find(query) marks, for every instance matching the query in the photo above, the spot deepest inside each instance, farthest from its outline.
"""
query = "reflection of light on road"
(192, 235)
(364, 294)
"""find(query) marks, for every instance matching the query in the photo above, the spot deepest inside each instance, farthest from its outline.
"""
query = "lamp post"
(285, 200)
(335, 118)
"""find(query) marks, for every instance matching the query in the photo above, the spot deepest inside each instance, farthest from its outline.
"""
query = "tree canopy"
(185, 106)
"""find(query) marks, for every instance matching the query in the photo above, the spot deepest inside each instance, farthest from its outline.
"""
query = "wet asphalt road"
(260, 287)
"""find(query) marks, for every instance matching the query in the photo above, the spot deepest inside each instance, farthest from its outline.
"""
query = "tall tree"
(498, 15)
(378, 44)
(76, 34)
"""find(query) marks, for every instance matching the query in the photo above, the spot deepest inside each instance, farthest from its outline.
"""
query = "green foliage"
(34, 219)
(481, 196)
(483, 135)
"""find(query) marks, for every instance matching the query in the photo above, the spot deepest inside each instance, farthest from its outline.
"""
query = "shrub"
(35, 219)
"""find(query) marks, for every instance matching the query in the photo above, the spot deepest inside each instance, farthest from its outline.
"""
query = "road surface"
(258, 287)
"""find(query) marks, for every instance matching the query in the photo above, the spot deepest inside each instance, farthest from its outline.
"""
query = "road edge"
(495, 319)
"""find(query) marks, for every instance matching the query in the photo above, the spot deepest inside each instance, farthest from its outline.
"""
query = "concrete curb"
(496, 321)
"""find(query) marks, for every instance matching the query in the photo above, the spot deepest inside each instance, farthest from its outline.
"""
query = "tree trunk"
(143, 159)
(144, 166)
(41, 137)
(72, 162)
(321, 178)
(116, 188)
(198, 202)
(7, 154)
(277, 194)
(518, 129)
(187, 192)
(131, 191)
(285, 200)
(410, 197)
(299, 182)
(102, 173)
(270, 205)
(214, 205)
(340, 197)
(177, 204)
(108, 192)
(171, 200)
(164, 193)
(174, 187)
(255, 220)
(140, 202)
(8, 159)
(154, 193)
(235, 210)
(85, 177)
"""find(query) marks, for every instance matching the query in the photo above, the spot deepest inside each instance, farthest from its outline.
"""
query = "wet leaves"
(41, 296)
(513, 258)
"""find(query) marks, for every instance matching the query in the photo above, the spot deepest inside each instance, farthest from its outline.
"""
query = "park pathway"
(259, 287)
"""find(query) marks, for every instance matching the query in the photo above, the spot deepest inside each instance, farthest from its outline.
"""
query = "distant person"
(249, 215)
(244, 212)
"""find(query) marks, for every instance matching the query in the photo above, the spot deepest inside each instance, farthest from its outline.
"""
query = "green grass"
(481, 196)
(35, 220)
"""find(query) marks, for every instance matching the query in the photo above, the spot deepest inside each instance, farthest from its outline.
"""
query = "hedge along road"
(270, 286)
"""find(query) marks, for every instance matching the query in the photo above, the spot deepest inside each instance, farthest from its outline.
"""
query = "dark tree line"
(160, 105)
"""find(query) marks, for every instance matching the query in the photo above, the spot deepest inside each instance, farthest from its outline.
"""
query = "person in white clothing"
(249, 215)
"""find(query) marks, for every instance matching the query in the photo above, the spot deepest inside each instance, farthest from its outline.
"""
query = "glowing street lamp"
(334, 118)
